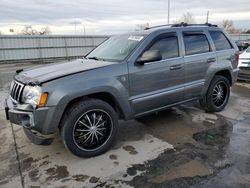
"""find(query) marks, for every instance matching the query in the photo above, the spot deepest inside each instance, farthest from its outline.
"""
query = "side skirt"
(164, 107)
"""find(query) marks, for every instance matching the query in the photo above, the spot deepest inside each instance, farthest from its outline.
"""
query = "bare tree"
(227, 24)
(45, 31)
(187, 18)
(29, 30)
(141, 26)
(247, 31)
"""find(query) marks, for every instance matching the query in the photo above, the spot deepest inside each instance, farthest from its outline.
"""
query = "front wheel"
(89, 128)
(217, 95)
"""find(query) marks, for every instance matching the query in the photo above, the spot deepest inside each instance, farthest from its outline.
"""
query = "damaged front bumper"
(26, 116)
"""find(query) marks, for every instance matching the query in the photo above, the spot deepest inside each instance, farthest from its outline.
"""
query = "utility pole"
(207, 16)
(75, 23)
(84, 29)
(168, 11)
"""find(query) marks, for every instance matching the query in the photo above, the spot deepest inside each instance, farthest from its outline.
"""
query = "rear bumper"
(235, 75)
(244, 73)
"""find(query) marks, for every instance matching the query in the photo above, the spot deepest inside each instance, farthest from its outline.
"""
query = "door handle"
(175, 67)
(211, 60)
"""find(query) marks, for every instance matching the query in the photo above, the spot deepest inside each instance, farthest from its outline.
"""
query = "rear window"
(196, 44)
(220, 40)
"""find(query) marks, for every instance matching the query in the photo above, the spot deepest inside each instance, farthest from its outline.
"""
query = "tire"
(217, 95)
(89, 127)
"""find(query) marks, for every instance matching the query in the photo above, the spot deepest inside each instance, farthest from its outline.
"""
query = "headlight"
(31, 95)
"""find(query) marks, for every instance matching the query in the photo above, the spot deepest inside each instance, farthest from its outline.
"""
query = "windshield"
(116, 48)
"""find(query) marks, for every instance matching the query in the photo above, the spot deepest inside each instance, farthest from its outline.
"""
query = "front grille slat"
(16, 91)
(13, 90)
(20, 93)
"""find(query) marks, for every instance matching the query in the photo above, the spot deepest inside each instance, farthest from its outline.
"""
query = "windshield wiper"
(95, 58)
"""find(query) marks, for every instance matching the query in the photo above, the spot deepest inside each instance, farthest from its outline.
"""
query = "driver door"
(155, 85)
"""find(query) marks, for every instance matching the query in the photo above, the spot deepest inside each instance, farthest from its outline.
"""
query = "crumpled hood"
(53, 71)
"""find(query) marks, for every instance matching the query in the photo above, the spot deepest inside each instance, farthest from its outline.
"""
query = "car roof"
(177, 27)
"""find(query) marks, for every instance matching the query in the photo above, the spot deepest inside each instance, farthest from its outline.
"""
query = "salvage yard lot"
(179, 147)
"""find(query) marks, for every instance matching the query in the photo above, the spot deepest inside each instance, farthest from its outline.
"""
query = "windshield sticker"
(135, 38)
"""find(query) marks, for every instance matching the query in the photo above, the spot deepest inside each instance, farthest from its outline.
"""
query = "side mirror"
(149, 56)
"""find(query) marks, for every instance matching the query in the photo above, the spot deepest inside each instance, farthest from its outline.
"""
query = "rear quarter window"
(221, 42)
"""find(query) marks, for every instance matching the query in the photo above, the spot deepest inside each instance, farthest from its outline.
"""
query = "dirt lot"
(179, 147)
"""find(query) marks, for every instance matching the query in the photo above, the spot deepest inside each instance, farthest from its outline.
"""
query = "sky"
(114, 16)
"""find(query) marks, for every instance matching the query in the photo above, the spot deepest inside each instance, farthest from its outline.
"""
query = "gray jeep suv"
(127, 76)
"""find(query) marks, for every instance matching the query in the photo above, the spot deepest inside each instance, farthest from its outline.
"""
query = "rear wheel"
(89, 128)
(217, 95)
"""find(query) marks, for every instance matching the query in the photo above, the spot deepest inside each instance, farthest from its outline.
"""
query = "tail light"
(236, 59)
(237, 56)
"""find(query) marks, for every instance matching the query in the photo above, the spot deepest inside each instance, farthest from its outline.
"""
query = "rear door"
(198, 57)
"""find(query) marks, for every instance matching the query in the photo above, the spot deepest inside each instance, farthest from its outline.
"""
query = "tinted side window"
(168, 47)
(220, 40)
(196, 44)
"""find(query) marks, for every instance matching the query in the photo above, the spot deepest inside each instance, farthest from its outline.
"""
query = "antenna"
(207, 16)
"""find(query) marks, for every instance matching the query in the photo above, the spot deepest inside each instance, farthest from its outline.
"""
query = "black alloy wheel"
(89, 127)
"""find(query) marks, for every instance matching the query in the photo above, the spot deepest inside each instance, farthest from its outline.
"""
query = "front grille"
(245, 68)
(16, 91)
(245, 63)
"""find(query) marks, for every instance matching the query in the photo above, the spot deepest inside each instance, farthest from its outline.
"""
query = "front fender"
(62, 91)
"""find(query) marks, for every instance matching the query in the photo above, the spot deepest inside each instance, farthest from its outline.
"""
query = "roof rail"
(147, 28)
(182, 24)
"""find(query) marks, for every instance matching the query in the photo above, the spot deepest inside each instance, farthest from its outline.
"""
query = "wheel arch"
(226, 73)
(104, 96)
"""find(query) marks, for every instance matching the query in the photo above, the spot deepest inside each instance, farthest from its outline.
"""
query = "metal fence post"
(40, 48)
(66, 48)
